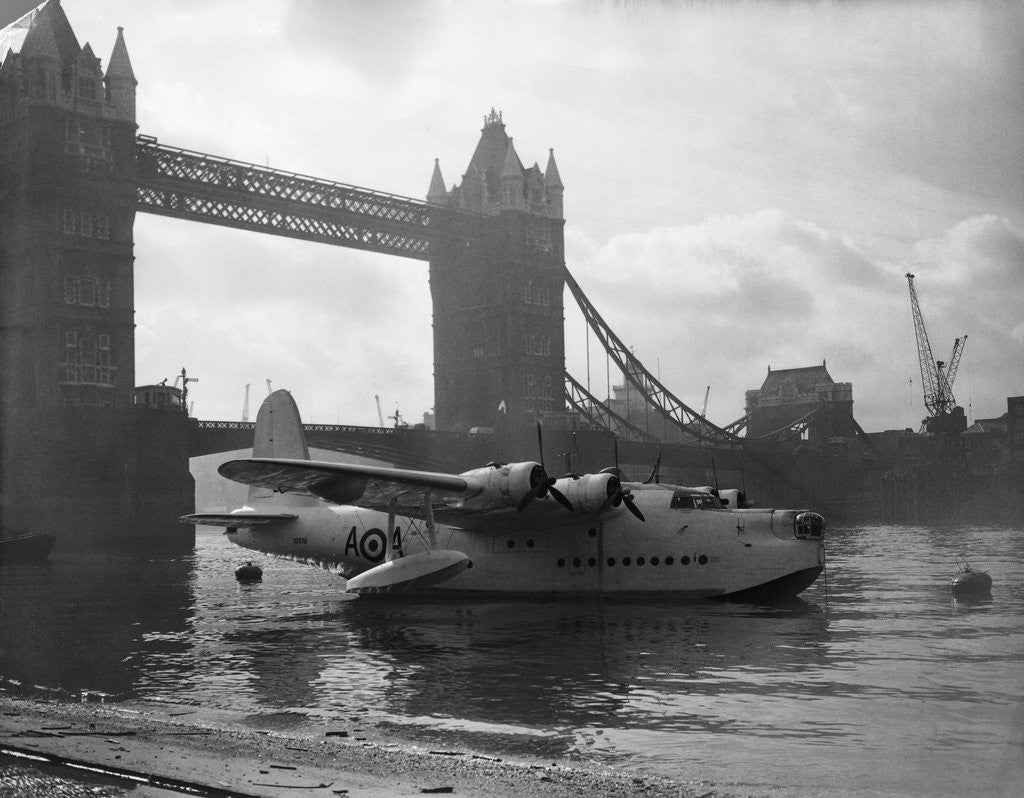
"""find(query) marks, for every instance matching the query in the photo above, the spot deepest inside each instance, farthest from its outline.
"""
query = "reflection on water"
(74, 624)
(877, 681)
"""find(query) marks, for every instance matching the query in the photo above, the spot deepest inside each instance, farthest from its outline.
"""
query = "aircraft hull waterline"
(703, 553)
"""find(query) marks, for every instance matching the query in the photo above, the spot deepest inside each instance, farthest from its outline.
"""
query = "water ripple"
(882, 680)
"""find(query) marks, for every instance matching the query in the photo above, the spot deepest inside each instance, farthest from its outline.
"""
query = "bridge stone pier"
(76, 457)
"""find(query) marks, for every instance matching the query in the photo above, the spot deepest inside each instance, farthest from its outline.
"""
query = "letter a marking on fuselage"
(352, 543)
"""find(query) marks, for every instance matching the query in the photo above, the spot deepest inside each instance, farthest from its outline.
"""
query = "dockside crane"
(937, 376)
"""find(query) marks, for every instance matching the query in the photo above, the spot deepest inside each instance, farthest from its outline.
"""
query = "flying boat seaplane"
(507, 528)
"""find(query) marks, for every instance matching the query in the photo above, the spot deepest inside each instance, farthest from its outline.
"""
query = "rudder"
(279, 430)
(279, 433)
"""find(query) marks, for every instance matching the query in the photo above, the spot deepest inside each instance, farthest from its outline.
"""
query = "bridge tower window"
(88, 139)
(105, 371)
(87, 359)
(87, 88)
(536, 294)
(87, 291)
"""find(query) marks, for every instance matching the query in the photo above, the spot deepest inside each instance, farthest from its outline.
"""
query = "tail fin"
(279, 430)
(279, 433)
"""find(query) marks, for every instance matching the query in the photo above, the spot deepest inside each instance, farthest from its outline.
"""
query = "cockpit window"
(690, 501)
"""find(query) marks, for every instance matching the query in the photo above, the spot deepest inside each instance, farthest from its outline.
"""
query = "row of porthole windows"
(577, 562)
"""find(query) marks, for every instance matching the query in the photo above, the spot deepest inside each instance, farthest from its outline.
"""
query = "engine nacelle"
(588, 492)
(499, 486)
(732, 498)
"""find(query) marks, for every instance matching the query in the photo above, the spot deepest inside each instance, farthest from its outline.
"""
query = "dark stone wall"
(499, 347)
(75, 457)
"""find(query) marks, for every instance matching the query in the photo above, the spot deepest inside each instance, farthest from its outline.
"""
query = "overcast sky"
(746, 185)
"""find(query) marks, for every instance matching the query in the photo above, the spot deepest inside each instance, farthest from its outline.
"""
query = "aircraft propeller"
(541, 484)
(620, 495)
(616, 493)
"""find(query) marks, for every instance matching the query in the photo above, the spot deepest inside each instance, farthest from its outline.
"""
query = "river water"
(875, 682)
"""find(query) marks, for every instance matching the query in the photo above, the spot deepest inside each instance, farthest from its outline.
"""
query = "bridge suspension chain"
(600, 415)
(691, 424)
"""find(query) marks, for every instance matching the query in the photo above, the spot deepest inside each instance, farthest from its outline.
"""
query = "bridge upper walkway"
(206, 188)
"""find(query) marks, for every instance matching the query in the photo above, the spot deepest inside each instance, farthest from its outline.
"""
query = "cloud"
(728, 297)
(952, 115)
(719, 302)
(970, 280)
(974, 273)
(987, 243)
(332, 324)
(766, 263)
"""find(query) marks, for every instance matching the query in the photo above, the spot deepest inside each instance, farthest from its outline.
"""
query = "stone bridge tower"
(70, 445)
(499, 346)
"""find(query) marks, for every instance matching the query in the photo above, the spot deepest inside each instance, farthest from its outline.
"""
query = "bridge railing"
(328, 429)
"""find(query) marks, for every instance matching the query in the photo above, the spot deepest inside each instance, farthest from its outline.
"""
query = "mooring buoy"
(967, 582)
(249, 573)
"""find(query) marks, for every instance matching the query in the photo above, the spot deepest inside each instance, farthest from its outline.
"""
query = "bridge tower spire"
(437, 193)
(499, 345)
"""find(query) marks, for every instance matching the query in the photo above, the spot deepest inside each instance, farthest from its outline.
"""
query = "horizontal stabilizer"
(409, 573)
(235, 519)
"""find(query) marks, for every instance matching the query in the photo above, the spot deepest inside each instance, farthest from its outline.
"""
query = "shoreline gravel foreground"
(166, 750)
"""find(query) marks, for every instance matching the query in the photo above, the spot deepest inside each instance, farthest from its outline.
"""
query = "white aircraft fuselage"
(693, 551)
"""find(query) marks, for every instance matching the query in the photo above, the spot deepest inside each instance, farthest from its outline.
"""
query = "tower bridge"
(73, 174)
(206, 188)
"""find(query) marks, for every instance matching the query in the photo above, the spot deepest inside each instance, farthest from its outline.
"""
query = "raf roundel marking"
(372, 545)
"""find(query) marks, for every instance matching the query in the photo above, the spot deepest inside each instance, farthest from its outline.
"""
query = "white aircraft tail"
(279, 433)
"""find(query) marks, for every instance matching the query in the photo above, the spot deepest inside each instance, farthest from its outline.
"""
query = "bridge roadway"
(455, 452)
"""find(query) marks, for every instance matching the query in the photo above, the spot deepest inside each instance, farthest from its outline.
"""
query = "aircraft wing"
(235, 519)
(468, 501)
(341, 483)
